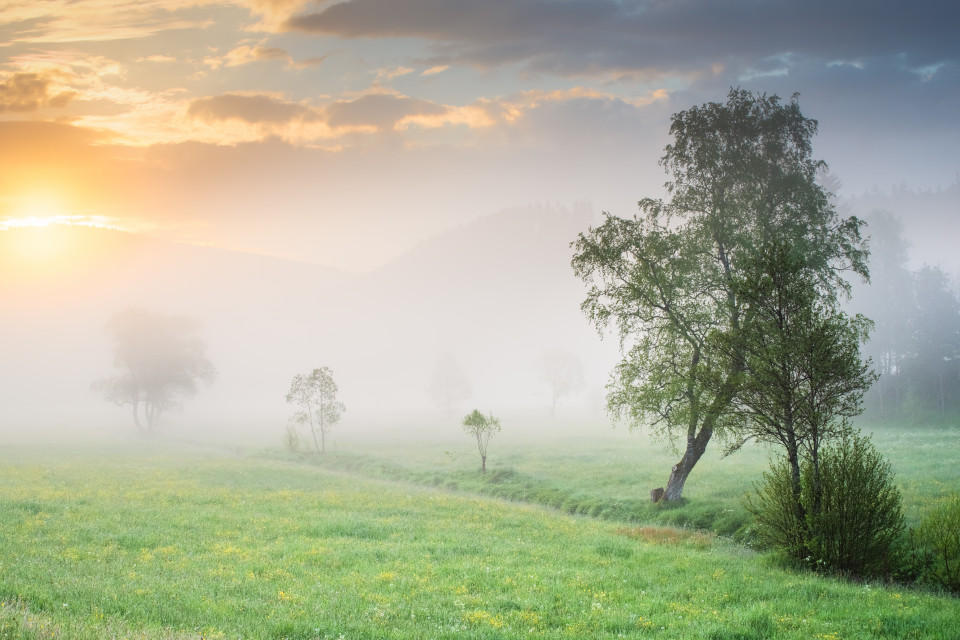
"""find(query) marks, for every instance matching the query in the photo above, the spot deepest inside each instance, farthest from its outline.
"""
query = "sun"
(45, 209)
(35, 234)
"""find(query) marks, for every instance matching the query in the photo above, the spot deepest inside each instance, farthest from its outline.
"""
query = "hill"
(495, 293)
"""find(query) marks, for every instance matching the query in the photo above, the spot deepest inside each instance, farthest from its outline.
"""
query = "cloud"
(252, 109)
(22, 92)
(63, 21)
(645, 37)
(273, 13)
(381, 111)
(234, 118)
(159, 59)
(392, 73)
(245, 54)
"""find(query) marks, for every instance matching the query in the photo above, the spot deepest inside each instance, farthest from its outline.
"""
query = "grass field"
(600, 471)
(152, 540)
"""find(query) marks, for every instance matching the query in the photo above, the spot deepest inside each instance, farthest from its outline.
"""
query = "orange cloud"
(22, 92)
(245, 54)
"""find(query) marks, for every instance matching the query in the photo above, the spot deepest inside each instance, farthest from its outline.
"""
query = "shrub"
(939, 537)
(860, 517)
(846, 519)
(779, 521)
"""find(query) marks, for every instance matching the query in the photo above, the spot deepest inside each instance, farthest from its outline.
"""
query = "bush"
(849, 522)
(860, 519)
(939, 538)
(777, 514)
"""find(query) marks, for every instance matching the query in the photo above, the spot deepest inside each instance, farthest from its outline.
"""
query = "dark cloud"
(582, 37)
(379, 110)
(31, 91)
(255, 109)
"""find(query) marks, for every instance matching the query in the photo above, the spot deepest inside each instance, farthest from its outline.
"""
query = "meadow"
(391, 539)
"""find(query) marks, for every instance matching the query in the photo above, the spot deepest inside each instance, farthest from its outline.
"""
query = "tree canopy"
(316, 396)
(672, 280)
(481, 427)
(162, 359)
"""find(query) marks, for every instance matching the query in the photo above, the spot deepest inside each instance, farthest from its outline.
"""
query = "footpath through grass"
(178, 545)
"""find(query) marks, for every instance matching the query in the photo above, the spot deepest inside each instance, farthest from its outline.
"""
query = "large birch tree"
(670, 280)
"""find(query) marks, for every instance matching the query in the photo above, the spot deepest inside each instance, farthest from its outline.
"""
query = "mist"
(492, 296)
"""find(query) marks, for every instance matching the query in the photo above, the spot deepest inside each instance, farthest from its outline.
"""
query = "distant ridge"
(496, 292)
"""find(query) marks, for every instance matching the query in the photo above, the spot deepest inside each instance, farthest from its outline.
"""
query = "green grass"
(174, 544)
(608, 474)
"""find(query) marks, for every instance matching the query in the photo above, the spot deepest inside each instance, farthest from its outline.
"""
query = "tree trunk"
(678, 474)
(483, 464)
(136, 417)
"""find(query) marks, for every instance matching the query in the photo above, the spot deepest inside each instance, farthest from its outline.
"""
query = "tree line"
(915, 342)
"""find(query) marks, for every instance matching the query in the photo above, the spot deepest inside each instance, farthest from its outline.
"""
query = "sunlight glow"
(43, 207)
(99, 222)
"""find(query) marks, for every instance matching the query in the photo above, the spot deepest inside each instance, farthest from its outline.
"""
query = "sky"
(344, 133)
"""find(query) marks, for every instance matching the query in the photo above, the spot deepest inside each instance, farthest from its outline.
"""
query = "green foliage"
(778, 519)
(938, 538)
(846, 516)
(481, 427)
(676, 280)
(316, 396)
(859, 518)
(804, 375)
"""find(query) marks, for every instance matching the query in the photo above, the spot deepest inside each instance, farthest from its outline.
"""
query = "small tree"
(162, 359)
(562, 371)
(316, 396)
(481, 427)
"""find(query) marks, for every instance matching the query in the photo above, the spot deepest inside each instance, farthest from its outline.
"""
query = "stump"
(656, 495)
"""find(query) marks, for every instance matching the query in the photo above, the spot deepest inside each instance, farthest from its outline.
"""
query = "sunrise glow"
(98, 222)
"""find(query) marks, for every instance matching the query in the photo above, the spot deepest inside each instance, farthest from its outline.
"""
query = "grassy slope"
(177, 545)
(608, 473)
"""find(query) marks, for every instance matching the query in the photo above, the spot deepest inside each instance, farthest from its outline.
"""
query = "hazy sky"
(344, 132)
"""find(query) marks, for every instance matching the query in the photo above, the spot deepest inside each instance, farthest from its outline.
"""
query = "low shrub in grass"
(938, 539)
(860, 516)
(846, 519)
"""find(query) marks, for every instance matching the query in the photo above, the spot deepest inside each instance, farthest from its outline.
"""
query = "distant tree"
(888, 300)
(481, 427)
(562, 372)
(162, 359)
(932, 365)
(670, 278)
(450, 384)
(316, 396)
